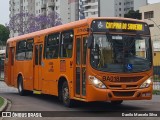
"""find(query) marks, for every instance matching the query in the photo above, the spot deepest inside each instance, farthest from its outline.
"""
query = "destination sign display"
(119, 26)
(124, 26)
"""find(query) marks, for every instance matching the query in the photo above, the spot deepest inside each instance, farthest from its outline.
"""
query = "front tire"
(65, 95)
(21, 90)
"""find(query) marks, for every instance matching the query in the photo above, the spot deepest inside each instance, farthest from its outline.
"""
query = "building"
(150, 14)
(108, 8)
(15, 8)
(68, 10)
(72, 10)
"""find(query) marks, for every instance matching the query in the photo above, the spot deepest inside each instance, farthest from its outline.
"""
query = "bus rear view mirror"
(90, 41)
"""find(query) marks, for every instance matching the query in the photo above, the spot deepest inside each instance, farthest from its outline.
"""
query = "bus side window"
(52, 46)
(21, 49)
(66, 47)
(29, 49)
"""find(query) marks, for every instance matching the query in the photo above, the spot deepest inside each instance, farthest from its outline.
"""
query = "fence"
(156, 80)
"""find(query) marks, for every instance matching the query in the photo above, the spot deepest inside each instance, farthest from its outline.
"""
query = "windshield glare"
(121, 53)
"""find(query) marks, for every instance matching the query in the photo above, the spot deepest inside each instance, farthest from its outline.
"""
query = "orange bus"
(95, 59)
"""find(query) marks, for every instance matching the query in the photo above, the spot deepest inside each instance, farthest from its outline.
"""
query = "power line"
(154, 23)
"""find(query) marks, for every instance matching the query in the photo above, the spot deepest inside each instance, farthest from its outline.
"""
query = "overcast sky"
(4, 10)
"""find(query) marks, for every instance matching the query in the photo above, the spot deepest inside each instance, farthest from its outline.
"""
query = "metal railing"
(156, 78)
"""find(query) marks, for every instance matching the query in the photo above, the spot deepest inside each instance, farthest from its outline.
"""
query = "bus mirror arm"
(90, 41)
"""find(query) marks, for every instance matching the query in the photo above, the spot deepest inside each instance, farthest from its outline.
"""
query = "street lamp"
(154, 23)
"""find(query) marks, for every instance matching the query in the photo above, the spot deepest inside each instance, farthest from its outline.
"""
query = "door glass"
(84, 50)
(40, 54)
(7, 51)
(78, 80)
(84, 68)
(78, 54)
(84, 81)
(36, 55)
(12, 57)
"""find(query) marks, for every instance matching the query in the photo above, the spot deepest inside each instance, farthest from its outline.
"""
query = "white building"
(150, 14)
(68, 10)
(15, 8)
(109, 8)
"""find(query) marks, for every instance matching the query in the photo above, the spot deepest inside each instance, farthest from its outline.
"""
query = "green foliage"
(4, 34)
(1, 101)
(133, 14)
(156, 92)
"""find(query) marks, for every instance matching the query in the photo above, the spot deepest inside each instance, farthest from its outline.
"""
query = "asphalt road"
(51, 103)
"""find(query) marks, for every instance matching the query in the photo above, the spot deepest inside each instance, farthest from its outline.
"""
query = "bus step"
(36, 92)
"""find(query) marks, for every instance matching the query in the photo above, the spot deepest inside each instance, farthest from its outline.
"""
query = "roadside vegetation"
(156, 92)
(1, 101)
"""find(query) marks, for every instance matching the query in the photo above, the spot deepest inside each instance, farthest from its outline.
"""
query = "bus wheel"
(65, 95)
(117, 102)
(21, 90)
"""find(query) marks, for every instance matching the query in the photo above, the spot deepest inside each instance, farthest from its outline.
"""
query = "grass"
(156, 92)
(1, 101)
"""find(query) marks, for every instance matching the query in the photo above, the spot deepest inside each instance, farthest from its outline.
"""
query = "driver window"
(102, 51)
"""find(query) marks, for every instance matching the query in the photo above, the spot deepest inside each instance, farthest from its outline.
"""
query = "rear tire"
(117, 102)
(65, 95)
(21, 90)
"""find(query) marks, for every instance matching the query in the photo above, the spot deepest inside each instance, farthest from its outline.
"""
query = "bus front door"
(37, 66)
(81, 50)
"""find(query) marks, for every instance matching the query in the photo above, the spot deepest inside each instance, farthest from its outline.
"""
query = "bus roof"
(66, 26)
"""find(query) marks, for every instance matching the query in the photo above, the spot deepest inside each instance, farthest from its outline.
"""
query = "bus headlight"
(147, 83)
(96, 82)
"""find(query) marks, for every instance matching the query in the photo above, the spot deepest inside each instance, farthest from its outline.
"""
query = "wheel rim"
(20, 87)
(65, 94)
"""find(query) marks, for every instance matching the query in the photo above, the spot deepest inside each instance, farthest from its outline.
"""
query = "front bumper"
(95, 94)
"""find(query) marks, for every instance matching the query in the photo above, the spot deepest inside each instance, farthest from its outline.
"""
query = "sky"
(4, 10)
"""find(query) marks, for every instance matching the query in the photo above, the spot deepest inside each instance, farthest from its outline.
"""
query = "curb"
(4, 106)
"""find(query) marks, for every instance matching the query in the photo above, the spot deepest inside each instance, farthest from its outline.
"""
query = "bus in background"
(95, 59)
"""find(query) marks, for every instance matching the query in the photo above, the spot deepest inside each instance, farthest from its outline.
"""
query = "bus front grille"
(132, 86)
(123, 94)
(130, 79)
(120, 87)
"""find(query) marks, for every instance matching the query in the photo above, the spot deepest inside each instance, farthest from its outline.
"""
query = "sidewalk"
(3, 107)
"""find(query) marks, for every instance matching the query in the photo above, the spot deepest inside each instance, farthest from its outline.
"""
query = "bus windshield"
(121, 53)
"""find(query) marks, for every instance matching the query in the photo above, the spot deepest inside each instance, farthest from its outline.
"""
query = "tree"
(21, 23)
(133, 14)
(24, 23)
(4, 34)
(47, 21)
